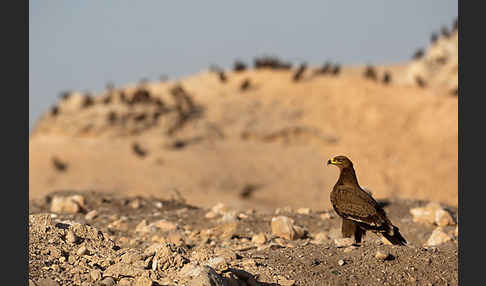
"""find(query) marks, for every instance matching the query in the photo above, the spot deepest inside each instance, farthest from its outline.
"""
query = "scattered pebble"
(198, 275)
(432, 213)
(349, 248)
(437, 237)
(304, 211)
(283, 210)
(135, 204)
(91, 215)
(210, 215)
(321, 237)
(176, 238)
(260, 238)
(380, 255)
(284, 227)
(220, 208)
(69, 205)
(334, 233)
(164, 225)
(71, 237)
(47, 282)
(120, 225)
(82, 251)
(95, 275)
(343, 242)
(341, 262)
(108, 281)
(229, 216)
(142, 227)
(326, 216)
(143, 281)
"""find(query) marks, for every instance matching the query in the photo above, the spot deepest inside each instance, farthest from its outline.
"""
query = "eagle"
(359, 211)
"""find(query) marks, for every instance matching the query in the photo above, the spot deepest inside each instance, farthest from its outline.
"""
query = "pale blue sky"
(81, 45)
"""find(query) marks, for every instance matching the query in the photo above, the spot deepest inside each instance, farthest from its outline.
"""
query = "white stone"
(438, 237)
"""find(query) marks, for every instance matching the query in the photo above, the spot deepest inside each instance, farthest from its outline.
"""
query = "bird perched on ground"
(360, 212)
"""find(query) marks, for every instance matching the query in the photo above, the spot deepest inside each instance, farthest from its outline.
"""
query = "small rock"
(325, 216)
(122, 269)
(343, 242)
(304, 211)
(47, 282)
(284, 227)
(143, 281)
(283, 210)
(437, 237)
(321, 237)
(71, 237)
(135, 204)
(443, 218)
(164, 225)
(125, 282)
(284, 281)
(335, 233)
(260, 238)
(95, 275)
(341, 262)
(243, 216)
(218, 263)
(132, 256)
(349, 248)
(107, 281)
(225, 231)
(120, 225)
(432, 213)
(220, 208)
(210, 215)
(91, 215)
(82, 251)
(142, 227)
(198, 275)
(229, 216)
(176, 238)
(381, 255)
(69, 205)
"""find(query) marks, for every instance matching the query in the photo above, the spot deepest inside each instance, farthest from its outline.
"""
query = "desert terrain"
(180, 182)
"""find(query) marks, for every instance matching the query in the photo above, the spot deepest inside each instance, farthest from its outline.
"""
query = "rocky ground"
(93, 238)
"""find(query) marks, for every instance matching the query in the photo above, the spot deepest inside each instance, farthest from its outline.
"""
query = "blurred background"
(148, 98)
(83, 45)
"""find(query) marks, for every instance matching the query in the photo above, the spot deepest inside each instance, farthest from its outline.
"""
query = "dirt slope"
(212, 141)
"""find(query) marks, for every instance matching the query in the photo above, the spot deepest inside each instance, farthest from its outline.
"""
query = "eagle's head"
(340, 161)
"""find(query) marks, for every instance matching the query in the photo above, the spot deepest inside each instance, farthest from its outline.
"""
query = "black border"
(15, 118)
(470, 142)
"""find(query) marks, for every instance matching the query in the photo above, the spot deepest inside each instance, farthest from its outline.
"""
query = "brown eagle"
(360, 212)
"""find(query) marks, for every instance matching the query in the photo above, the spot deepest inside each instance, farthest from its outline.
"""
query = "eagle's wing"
(357, 205)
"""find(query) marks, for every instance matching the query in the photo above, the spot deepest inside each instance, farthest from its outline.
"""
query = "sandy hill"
(263, 143)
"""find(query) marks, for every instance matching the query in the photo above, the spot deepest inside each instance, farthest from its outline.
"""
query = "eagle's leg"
(358, 234)
(349, 228)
